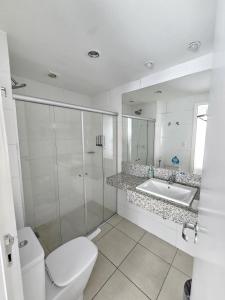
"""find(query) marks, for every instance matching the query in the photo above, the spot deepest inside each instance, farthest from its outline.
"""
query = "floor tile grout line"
(170, 265)
(182, 271)
(157, 254)
(117, 223)
(134, 284)
(127, 255)
(142, 235)
(115, 226)
(137, 243)
(104, 284)
(166, 276)
(126, 234)
(104, 233)
(108, 259)
(118, 269)
(123, 258)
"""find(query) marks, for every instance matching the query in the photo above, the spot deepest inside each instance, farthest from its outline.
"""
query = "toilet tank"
(32, 264)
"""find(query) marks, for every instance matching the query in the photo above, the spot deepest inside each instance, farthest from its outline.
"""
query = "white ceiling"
(57, 34)
(195, 84)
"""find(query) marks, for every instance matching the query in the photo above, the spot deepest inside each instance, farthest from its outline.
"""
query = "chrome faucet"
(172, 178)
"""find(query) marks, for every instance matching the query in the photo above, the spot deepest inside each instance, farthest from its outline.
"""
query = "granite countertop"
(165, 209)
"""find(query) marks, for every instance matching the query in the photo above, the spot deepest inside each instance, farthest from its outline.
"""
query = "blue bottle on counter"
(175, 160)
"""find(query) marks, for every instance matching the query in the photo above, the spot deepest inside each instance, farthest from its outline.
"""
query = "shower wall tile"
(29, 205)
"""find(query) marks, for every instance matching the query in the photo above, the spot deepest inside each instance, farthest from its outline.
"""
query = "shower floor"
(71, 225)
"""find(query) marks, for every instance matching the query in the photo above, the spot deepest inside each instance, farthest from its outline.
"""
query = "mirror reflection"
(165, 125)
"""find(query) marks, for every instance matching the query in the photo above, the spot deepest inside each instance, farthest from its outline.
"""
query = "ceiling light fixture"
(149, 64)
(158, 92)
(52, 75)
(194, 46)
(93, 54)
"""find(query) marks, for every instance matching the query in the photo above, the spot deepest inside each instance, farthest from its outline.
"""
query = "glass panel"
(38, 161)
(125, 155)
(109, 164)
(93, 142)
(139, 141)
(68, 130)
(150, 142)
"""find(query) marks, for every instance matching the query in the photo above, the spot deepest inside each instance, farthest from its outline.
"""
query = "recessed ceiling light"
(194, 46)
(158, 92)
(149, 64)
(52, 75)
(93, 54)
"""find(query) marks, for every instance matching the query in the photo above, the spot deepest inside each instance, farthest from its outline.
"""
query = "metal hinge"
(9, 241)
(3, 89)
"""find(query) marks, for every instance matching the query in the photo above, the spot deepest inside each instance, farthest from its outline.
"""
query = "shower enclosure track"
(61, 104)
(139, 118)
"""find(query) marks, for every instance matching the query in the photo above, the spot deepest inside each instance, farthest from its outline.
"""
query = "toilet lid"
(68, 261)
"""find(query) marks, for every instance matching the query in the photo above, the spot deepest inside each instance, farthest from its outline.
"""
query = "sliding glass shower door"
(109, 164)
(39, 164)
(93, 168)
(69, 150)
(66, 156)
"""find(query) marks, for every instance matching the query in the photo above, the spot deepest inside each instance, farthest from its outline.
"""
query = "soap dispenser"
(151, 172)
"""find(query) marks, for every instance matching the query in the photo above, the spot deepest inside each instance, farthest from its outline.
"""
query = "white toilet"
(65, 272)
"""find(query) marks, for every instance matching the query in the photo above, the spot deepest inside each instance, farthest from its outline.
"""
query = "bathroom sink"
(174, 192)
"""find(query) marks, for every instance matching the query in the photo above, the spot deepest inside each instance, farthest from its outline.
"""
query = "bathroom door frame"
(10, 274)
(209, 262)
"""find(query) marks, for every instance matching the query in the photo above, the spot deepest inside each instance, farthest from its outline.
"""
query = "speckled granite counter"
(161, 207)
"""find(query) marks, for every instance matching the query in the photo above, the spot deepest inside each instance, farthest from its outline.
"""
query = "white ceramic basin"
(174, 192)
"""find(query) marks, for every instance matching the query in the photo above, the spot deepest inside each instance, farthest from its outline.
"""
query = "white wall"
(171, 140)
(38, 89)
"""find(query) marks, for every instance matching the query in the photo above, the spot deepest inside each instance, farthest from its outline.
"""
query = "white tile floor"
(135, 265)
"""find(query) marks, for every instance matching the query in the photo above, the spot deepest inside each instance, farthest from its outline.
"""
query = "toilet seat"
(70, 260)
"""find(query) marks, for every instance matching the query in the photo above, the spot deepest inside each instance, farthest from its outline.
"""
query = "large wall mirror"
(165, 125)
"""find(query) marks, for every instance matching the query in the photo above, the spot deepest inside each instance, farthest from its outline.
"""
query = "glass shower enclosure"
(138, 140)
(66, 156)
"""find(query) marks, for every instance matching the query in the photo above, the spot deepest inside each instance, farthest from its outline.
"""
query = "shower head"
(138, 112)
(16, 85)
